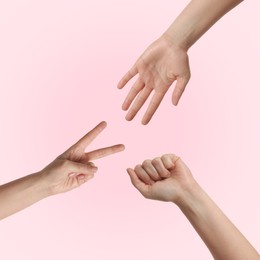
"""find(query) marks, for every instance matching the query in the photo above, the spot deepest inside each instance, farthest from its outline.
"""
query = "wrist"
(189, 195)
(176, 41)
(43, 186)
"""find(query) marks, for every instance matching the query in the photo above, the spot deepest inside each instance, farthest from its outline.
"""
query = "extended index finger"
(103, 152)
(89, 137)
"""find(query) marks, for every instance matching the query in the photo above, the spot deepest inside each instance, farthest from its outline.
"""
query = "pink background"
(60, 62)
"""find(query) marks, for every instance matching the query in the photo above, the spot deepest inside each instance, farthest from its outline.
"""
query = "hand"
(164, 178)
(158, 67)
(74, 167)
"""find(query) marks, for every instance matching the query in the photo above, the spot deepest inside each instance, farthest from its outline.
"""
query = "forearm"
(21, 193)
(222, 238)
(196, 19)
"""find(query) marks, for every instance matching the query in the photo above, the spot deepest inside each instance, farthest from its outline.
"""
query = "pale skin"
(68, 171)
(167, 178)
(166, 60)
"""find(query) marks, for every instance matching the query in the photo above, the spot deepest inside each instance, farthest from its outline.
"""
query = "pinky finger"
(138, 184)
(130, 74)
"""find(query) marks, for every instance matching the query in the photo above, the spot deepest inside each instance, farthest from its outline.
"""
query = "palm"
(166, 190)
(158, 67)
(154, 70)
(61, 176)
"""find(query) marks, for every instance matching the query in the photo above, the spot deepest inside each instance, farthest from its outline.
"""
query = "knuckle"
(134, 110)
(164, 156)
(156, 161)
(140, 99)
(137, 168)
(168, 156)
(146, 163)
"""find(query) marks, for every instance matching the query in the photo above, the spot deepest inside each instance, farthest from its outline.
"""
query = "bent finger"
(143, 175)
(84, 168)
(82, 178)
(150, 170)
(137, 183)
(160, 168)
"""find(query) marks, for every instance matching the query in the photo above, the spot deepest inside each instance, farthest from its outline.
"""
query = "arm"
(166, 61)
(68, 171)
(169, 179)
(196, 19)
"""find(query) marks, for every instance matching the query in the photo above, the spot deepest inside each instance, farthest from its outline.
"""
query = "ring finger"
(151, 171)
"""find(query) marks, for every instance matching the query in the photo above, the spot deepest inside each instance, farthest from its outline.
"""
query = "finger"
(138, 184)
(154, 104)
(82, 178)
(179, 89)
(89, 137)
(150, 170)
(72, 182)
(103, 152)
(140, 100)
(160, 168)
(143, 175)
(91, 164)
(83, 168)
(130, 74)
(169, 161)
(136, 88)
(75, 180)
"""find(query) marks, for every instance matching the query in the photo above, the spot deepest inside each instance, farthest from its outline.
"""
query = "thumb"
(179, 89)
(169, 161)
